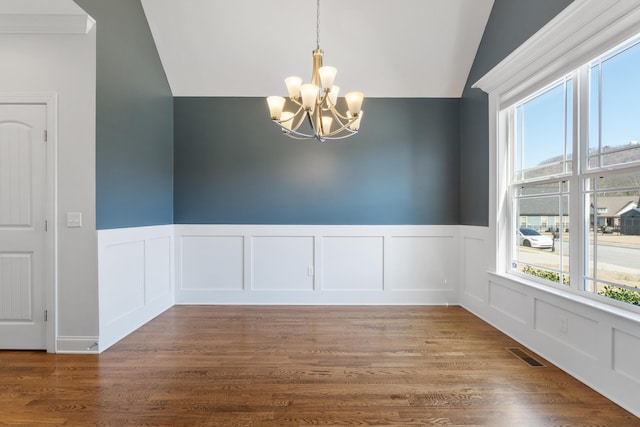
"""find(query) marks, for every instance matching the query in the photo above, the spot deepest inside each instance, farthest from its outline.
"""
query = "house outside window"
(523, 221)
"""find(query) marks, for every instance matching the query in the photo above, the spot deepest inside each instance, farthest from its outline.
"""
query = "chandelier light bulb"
(326, 124)
(333, 94)
(355, 125)
(354, 102)
(327, 76)
(309, 94)
(276, 103)
(293, 86)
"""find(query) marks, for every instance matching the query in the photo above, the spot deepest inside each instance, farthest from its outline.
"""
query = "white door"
(22, 226)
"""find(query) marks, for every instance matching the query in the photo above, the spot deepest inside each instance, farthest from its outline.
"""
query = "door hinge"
(46, 225)
(46, 136)
(46, 315)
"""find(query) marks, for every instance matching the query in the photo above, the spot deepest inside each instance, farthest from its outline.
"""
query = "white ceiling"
(384, 48)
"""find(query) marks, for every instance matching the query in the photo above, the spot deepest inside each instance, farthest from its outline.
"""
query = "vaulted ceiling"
(384, 48)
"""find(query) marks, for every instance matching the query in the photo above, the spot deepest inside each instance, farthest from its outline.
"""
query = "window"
(523, 221)
(574, 158)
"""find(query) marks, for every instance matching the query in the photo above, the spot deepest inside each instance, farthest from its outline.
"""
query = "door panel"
(22, 226)
(15, 286)
(15, 180)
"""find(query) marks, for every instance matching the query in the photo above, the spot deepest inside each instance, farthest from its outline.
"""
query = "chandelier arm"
(341, 129)
(322, 138)
(318, 119)
(280, 122)
(317, 116)
(324, 99)
(337, 114)
(315, 121)
(294, 133)
(339, 117)
(349, 120)
(299, 136)
(300, 119)
(343, 126)
(303, 136)
(300, 108)
(313, 128)
(333, 138)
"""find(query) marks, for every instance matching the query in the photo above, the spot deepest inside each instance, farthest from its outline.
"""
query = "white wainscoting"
(316, 264)
(600, 345)
(135, 270)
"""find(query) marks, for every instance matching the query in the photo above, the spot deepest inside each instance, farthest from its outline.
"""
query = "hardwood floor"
(316, 365)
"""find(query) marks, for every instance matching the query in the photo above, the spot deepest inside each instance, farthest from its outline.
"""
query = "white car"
(531, 238)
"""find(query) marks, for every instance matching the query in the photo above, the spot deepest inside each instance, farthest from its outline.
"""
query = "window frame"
(579, 174)
(581, 32)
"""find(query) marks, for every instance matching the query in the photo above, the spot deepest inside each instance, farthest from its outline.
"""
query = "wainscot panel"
(508, 301)
(211, 262)
(473, 264)
(316, 264)
(352, 263)
(158, 268)
(626, 348)
(282, 263)
(593, 341)
(566, 327)
(122, 269)
(135, 267)
(419, 263)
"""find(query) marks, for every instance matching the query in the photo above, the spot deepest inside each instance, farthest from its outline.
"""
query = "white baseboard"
(77, 345)
(318, 298)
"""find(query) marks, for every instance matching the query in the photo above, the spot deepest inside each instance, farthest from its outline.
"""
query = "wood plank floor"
(281, 366)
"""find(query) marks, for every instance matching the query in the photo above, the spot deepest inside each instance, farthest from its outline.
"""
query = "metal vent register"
(525, 357)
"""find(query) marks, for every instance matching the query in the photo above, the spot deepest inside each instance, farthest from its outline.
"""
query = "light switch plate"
(74, 219)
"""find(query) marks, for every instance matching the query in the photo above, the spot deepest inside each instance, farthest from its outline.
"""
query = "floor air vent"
(526, 358)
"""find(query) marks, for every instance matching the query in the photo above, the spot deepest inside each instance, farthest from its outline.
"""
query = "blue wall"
(232, 165)
(510, 24)
(134, 123)
(416, 161)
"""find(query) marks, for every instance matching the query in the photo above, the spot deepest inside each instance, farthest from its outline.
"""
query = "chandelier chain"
(317, 24)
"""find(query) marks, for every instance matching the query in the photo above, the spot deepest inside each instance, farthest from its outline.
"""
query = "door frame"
(50, 286)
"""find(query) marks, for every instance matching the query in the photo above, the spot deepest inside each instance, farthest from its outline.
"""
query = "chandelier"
(316, 103)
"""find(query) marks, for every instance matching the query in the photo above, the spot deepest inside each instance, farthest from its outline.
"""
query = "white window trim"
(582, 31)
